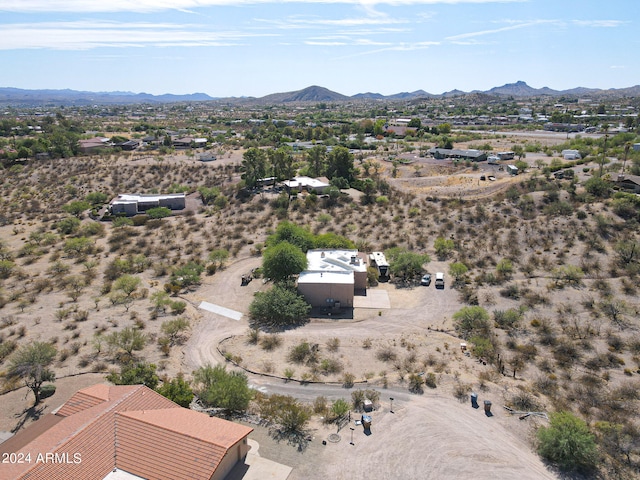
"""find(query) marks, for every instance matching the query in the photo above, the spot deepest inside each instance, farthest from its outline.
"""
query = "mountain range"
(16, 96)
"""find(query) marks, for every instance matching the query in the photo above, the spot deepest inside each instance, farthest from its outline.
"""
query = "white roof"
(321, 260)
(308, 182)
(344, 278)
(118, 474)
(128, 198)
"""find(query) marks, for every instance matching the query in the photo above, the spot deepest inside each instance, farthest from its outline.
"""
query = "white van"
(439, 280)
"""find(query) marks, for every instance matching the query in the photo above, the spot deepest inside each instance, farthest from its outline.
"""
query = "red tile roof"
(131, 428)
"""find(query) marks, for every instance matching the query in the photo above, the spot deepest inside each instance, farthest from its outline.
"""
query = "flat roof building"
(306, 183)
(134, 204)
(332, 277)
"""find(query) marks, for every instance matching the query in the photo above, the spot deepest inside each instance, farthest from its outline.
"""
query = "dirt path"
(223, 289)
(429, 436)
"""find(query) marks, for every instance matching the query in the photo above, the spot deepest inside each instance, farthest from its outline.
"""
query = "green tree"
(471, 321)
(278, 307)
(340, 164)
(177, 390)
(406, 266)
(31, 363)
(340, 407)
(140, 373)
(504, 268)
(444, 128)
(254, 166)
(597, 187)
(127, 284)
(282, 261)
(316, 158)
(96, 198)
(6, 268)
(289, 413)
(128, 339)
(77, 247)
(443, 246)
(294, 234)
(208, 194)
(160, 301)
(158, 212)
(68, 225)
(218, 257)
(458, 270)
(282, 163)
(216, 387)
(76, 208)
(568, 443)
(187, 275)
(174, 330)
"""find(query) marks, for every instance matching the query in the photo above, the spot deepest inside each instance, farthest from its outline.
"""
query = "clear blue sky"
(256, 47)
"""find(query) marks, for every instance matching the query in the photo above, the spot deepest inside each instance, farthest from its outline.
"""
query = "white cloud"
(300, 22)
(599, 23)
(92, 6)
(92, 34)
(500, 30)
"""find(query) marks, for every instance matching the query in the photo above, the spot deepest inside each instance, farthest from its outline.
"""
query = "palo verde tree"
(216, 387)
(177, 390)
(138, 373)
(406, 266)
(568, 443)
(31, 363)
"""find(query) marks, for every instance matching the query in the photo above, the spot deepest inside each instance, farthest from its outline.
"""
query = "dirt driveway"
(430, 436)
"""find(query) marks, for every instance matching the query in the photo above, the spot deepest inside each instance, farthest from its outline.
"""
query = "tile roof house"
(127, 431)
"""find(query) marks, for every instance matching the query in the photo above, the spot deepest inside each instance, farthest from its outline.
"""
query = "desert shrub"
(415, 383)
(253, 336)
(270, 342)
(304, 353)
(568, 443)
(386, 354)
(430, 380)
(524, 401)
(348, 380)
(329, 366)
(507, 319)
(333, 344)
(47, 391)
(461, 391)
(472, 321)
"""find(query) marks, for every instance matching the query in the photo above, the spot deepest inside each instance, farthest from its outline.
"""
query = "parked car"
(426, 280)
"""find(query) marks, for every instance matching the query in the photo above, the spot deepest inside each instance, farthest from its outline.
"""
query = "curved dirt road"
(427, 437)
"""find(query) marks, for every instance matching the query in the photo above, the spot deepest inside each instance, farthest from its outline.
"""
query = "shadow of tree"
(298, 439)
(32, 413)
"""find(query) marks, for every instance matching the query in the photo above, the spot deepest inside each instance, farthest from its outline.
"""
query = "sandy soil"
(427, 437)
(16, 407)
